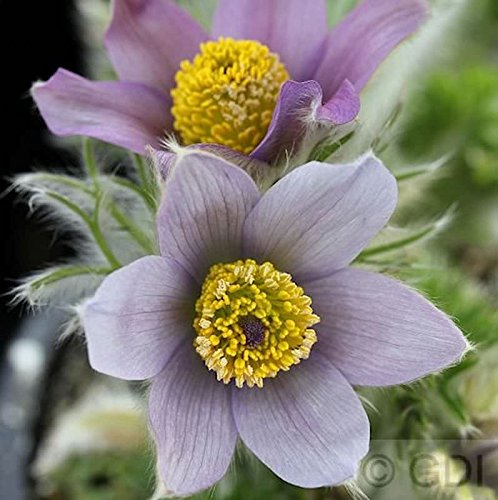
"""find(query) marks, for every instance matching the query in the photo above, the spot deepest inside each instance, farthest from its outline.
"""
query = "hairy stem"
(89, 159)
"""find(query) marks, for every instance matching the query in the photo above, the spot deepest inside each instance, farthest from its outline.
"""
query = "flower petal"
(147, 40)
(299, 107)
(293, 29)
(162, 161)
(205, 204)
(319, 217)
(262, 173)
(360, 42)
(306, 425)
(129, 115)
(246, 163)
(378, 332)
(295, 104)
(191, 418)
(343, 107)
(138, 317)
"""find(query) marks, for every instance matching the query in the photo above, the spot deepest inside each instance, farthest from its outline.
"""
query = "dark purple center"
(253, 329)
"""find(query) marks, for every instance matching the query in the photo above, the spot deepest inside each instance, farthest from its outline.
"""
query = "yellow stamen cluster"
(252, 321)
(227, 94)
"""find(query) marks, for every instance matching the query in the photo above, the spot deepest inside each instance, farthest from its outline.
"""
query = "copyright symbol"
(378, 470)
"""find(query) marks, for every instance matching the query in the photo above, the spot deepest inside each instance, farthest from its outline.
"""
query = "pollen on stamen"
(227, 94)
(252, 321)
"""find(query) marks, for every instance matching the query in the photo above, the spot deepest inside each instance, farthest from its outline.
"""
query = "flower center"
(252, 321)
(253, 329)
(227, 94)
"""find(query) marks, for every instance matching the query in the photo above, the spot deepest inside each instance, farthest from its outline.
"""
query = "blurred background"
(66, 433)
(36, 39)
(50, 38)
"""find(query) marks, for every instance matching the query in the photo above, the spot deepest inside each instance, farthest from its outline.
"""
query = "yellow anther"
(239, 363)
(289, 324)
(263, 326)
(227, 94)
(205, 323)
(283, 346)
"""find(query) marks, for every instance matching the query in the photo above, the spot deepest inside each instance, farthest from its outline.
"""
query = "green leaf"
(144, 240)
(323, 150)
(421, 170)
(92, 223)
(63, 272)
(411, 239)
(148, 199)
(60, 285)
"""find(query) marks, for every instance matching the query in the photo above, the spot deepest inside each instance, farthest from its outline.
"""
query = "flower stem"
(148, 184)
(89, 159)
(142, 171)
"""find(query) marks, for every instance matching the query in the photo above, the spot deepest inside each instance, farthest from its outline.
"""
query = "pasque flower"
(268, 72)
(250, 323)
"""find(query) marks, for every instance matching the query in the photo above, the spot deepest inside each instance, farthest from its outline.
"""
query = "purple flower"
(255, 288)
(231, 93)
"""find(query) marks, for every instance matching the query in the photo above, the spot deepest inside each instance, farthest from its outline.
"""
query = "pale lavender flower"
(257, 288)
(148, 40)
